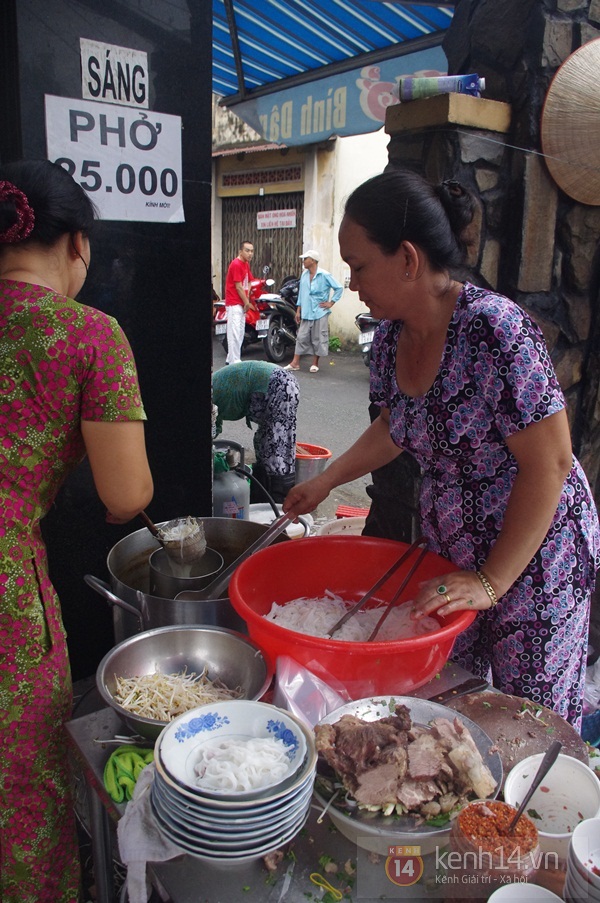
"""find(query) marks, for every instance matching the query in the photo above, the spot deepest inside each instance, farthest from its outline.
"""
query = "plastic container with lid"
(484, 856)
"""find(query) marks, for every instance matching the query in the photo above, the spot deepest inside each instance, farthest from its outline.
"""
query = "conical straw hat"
(571, 125)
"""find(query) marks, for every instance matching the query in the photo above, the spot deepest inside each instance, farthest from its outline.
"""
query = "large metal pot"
(135, 609)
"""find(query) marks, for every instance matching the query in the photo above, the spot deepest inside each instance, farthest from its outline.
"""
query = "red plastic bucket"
(311, 460)
(348, 566)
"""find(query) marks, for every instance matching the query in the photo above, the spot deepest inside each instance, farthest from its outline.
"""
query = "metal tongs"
(221, 581)
(389, 573)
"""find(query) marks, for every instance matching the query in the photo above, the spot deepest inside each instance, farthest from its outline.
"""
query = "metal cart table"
(188, 879)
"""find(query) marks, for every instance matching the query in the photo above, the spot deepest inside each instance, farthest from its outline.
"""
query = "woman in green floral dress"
(68, 386)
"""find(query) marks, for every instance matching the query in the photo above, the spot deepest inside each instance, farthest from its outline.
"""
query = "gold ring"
(447, 598)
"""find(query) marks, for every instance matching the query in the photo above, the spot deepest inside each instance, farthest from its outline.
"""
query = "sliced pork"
(421, 769)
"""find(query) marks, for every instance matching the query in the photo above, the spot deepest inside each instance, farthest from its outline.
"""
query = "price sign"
(128, 160)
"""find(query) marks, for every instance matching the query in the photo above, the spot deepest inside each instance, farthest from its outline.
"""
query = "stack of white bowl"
(583, 863)
(235, 826)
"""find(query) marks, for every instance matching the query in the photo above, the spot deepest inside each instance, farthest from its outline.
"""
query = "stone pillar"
(533, 242)
(549, 259)
(462, 137)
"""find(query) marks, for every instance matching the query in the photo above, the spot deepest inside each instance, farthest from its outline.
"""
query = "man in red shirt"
(237, 300)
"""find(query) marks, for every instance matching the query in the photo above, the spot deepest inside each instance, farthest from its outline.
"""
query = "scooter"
(257, 322)
(278, 326)
(365, 324)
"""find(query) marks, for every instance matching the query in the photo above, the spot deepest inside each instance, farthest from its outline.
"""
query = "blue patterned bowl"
(180, 745)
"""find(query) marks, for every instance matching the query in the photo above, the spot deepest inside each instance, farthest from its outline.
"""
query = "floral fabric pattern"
(496, 378)
(275, 413)
(60, 362)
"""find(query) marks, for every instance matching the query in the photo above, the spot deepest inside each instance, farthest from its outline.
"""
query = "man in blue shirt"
(314, 306)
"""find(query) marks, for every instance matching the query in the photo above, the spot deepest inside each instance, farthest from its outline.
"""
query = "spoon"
(550, 757)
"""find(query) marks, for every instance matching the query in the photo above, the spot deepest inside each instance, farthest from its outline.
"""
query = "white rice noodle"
(317, 616)
(236, 765)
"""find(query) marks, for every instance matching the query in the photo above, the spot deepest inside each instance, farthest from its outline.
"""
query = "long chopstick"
(371, 592)
(397, 595)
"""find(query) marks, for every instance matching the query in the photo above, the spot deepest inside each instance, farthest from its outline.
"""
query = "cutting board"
(518, 727)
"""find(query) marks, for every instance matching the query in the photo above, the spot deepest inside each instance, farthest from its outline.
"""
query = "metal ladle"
(221, 582)
(182, 539)
(546, 764)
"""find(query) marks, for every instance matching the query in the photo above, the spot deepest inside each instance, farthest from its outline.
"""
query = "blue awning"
(262, 46)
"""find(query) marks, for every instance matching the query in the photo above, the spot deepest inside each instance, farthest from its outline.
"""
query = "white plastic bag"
(305, 695)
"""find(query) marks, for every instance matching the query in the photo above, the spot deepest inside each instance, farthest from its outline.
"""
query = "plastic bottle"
(417, 88)
(231, 492)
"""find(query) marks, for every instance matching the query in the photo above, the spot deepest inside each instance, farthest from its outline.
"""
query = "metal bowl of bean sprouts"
(155, 676)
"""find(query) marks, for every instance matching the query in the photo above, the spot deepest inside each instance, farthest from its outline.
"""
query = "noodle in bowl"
(232, 750)
(237, 827)
(347, 566)
(316, 617)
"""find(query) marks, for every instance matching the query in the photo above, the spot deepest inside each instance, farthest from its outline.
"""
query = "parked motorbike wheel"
(275, 345)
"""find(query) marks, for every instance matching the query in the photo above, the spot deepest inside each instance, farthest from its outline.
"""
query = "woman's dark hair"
(400, 205)
(59, 204)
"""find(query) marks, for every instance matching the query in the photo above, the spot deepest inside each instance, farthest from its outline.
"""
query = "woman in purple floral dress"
(465, 384)
(68, 386)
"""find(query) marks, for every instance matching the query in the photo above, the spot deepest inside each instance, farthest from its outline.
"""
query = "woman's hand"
(305, 497)
(457, 591)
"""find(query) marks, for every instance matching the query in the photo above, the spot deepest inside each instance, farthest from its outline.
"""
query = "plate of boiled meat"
(401, 765)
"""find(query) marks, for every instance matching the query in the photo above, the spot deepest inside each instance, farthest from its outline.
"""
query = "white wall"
(331, 171)
(357, 159)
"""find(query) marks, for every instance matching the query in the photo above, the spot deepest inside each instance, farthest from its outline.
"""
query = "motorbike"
(280, 320)
(257, 318)
(365, 324)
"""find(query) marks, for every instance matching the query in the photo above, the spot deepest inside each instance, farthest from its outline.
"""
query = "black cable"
(80, 699)
(244, 470)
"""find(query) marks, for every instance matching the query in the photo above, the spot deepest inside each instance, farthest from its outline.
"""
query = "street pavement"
(333, 412)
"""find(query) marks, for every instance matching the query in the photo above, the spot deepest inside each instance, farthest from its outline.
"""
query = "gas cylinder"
(231, 491)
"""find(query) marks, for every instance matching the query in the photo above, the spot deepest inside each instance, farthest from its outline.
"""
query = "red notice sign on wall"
(276, 219)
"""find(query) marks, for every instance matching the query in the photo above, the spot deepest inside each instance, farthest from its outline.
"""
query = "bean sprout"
(164, 696)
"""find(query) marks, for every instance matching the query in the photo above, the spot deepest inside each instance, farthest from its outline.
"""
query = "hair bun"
(453, 187)
(458, 203)
(22, 227)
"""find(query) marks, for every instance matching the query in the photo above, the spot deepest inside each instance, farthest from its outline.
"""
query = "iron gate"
(278, 248)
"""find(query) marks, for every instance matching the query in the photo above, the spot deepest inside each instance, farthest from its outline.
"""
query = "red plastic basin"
(348, 566)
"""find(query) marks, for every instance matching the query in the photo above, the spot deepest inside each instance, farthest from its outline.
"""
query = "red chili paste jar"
(483, 855)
